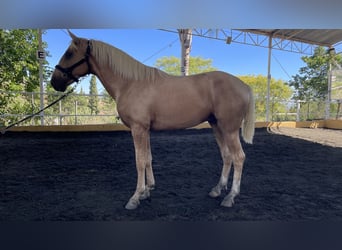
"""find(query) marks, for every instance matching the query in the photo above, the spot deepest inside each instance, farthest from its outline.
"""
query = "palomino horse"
(149, 99)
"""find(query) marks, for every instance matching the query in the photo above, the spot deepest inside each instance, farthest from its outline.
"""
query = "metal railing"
(290, 110)
(74, 109)
(101, 109)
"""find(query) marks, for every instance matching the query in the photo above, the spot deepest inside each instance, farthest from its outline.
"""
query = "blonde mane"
(122, 63)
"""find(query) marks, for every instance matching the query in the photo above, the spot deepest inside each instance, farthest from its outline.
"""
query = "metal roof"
(294, 40)
(321, 37)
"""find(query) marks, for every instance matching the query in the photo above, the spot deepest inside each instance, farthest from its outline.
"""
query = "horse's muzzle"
(58, 85)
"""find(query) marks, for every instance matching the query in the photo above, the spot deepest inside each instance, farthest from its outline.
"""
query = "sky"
(147, 45)
(132, 25)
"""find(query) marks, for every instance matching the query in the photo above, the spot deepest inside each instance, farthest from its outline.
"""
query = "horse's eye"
(68, 54)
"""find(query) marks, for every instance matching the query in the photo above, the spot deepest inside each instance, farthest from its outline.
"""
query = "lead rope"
(30, 116)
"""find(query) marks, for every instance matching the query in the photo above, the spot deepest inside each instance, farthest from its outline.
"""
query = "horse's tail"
(248, 123)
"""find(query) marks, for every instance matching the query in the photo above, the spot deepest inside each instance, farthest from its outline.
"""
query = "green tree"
(82, 106)
(172, 65)
(19, 70)
(280, 93)
(93, 99)
(108, 105)
(311, 83)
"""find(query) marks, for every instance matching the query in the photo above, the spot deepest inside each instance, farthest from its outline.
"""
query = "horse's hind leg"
(150, 182)
(238, 157)
(227, 162)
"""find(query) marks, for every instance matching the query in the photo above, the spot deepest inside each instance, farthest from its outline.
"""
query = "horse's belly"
(179, 119)
(180, 105)
(171, 126)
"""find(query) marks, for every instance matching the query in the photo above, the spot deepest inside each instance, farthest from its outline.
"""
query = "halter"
(68, 71)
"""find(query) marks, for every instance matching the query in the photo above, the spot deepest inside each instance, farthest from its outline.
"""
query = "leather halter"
(68, 71)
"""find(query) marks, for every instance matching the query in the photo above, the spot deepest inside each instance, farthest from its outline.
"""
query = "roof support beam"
(185, 36)
(257, 38)
(268, 79)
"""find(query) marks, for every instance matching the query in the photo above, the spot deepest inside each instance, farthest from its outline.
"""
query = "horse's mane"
(122, 63)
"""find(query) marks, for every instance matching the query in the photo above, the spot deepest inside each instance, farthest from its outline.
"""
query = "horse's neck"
(113, 83)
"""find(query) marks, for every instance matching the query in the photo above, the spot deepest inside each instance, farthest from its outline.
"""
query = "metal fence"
(304, 110)
(101, 109)
(75, 109)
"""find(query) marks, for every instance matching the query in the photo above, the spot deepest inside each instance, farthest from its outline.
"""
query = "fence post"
(60, 112)
(328, 96)
(41, 84)
(75, 112)
(298, 111)
(32, 101)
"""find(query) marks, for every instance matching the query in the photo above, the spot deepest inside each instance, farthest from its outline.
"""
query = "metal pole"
(268, 79)
(41, 78)
(32, 101)
(338, 109)
(328, 97)
(185, 36)
(298, 111)
(75, 112)
(60, 112)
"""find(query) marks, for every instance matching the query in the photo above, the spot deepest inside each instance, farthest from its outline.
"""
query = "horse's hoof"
(145, 195)
(214, 193)
(227, 202)
(132, 204)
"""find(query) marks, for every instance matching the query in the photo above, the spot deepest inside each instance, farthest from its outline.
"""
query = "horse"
(150, 99)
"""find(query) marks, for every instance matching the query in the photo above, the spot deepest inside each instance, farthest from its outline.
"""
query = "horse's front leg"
(141, 139)
(150, 182)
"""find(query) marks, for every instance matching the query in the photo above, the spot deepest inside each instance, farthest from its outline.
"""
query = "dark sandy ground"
(90, 177)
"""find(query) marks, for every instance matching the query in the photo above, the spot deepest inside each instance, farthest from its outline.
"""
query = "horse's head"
(73, 64)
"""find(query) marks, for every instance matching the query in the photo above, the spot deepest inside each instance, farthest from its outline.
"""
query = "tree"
(19, 70)
(312, 80)
(108, 105)
(172, 65)
(93, 99)
(279, 92)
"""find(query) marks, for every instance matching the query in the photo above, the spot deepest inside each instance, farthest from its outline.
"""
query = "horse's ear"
(74, 38)
(72, 35)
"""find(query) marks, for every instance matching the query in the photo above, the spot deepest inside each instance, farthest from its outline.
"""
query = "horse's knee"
(239, 157)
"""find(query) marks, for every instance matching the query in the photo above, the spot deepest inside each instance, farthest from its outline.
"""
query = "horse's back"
(227, 81)
(204, 90)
